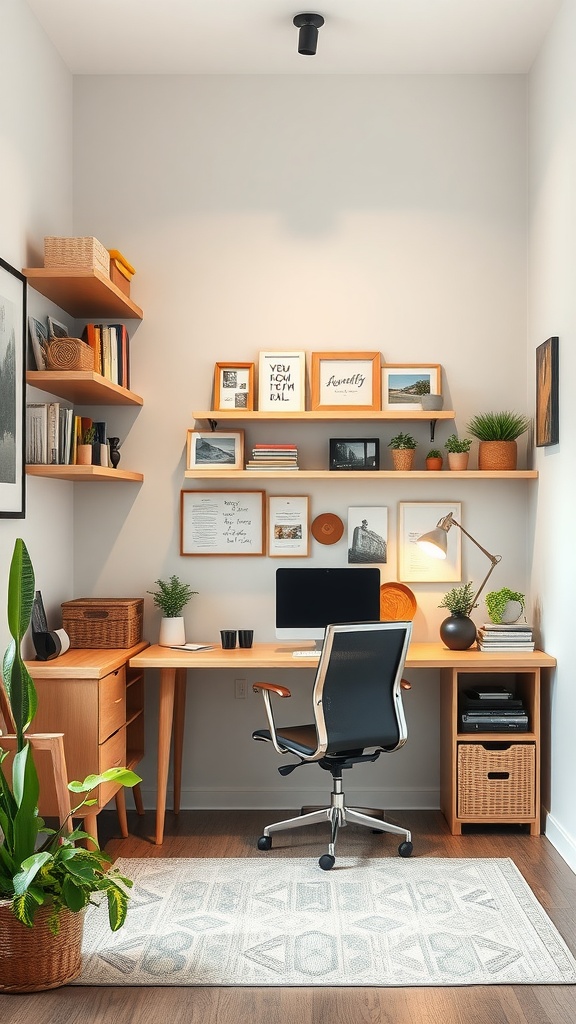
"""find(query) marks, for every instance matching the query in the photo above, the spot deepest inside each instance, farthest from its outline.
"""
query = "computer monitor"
(307, 600)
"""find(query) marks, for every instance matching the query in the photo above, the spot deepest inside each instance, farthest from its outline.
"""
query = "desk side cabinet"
(97, 701)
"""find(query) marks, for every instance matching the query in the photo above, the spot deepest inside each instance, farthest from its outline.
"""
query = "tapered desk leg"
(179, 716)
(165, 719)
(138, 802)
(121, 812)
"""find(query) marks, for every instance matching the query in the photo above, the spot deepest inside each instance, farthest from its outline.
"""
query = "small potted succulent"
(403, 447)
(458, 449)
(84, 448)
(505, 605)
(458, 631)
(497, 433)
(434, 459)
(171, 598)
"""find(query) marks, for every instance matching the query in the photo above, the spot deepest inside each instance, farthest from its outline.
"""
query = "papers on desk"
(191, 647)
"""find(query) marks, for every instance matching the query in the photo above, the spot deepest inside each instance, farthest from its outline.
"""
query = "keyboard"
(305, 654)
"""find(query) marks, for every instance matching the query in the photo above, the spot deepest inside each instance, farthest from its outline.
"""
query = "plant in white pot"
(171, 598)
(505, 605)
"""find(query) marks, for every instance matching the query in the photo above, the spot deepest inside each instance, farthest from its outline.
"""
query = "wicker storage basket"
(498, 784)
(76, 253)
(69, 354)
(103, 622)
(32, 959)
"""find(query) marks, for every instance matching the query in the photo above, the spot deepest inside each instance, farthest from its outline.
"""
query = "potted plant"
(171, 598)
(46, 881)
(84, 449)
(427, 400)
(458, 449)
(505, 605)
(403, 447)
(497, 433)
(458, 630)
(434, 459)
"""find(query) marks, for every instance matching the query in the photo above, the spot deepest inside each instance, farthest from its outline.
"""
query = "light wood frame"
(230, 396)
(222, 523)
(346, 367)
(288, 514)
(230, 441)
(432, 371)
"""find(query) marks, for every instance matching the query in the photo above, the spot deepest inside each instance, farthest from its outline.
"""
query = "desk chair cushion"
(298, 739)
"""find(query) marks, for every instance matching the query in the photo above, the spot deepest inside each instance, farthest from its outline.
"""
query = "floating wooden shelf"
(81, 474)
(239, 415)
(360, 474)
(82, 293)
(82, 387)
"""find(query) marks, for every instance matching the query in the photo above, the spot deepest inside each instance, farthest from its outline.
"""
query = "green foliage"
(497, 600)
(172, 596)
(402, 441)
(459, 600)
(434, 453)
(421, 387)
(17, 680)
(89, 435)
(457, 444)
(498, 426)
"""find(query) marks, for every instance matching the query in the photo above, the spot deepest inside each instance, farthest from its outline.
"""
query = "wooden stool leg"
(137, 794)
(121, 812)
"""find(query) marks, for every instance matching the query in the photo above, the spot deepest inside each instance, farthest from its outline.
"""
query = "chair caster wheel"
(326, 861)
(405, 849)
(264, 843)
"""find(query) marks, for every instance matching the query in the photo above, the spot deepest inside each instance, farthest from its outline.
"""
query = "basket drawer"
(103, 622)
(497, 783)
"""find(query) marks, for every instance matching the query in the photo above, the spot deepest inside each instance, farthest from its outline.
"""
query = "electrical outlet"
(240, 689)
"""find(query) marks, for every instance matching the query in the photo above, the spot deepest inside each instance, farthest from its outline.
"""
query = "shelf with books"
(82, 293)
(83, 387)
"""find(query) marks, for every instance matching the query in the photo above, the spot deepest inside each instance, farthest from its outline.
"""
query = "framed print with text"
(346, 380)
(215, 449)
(282, 382)
(222, 522)
(414, 565)
(403, 385)
(12, 382)
(288, 533)
(234, 386)
(547, 432)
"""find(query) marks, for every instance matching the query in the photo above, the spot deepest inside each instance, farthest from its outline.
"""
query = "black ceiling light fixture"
(308, 34)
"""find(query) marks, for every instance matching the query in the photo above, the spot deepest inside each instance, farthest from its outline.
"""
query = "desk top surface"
(278, 655)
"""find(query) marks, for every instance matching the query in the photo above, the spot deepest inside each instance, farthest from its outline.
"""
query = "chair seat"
(302, 739)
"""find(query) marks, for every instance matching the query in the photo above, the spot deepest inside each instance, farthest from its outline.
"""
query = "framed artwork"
(547, 428)
(215, 449)
(414, 565)
(56, 329)
(288, 532)
(404, 384)
(282, 382)
(346, 380)
(38, 340)
(222, 522)
(12, 383)
(354, 453)
(234, 386)
(367, 535)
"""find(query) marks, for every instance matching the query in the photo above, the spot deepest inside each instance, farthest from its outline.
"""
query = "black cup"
(245, 637)
(228, 637)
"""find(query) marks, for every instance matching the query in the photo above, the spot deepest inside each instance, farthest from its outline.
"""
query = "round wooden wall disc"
(327, 528)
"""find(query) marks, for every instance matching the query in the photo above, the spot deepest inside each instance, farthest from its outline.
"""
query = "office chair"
(358, 715)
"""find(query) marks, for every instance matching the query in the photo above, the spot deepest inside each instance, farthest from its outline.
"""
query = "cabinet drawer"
(111, 704)
(497, 781)
(112, 754)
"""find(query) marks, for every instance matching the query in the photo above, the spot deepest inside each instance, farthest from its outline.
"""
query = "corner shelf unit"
(82, 293)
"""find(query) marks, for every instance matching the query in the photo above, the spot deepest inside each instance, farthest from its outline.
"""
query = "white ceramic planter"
(172, 631)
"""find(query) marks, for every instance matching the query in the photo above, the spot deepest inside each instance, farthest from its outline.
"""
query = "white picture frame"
(57, 329)
(38, 333)
(288, 526)
(222, 522)
(368, 535)
(414, 565)
(282, 381)
(215, 450)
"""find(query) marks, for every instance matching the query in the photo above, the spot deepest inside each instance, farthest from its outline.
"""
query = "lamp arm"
(493, 558)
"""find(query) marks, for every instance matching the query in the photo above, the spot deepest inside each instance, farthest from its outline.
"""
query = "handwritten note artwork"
(222, 523)
(347, 380)
(281, 381)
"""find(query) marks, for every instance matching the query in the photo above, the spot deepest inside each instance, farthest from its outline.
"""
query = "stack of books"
(492, 709)
(513, 636)
(273, 456)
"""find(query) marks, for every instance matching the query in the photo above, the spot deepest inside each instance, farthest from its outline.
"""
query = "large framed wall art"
(12, 383)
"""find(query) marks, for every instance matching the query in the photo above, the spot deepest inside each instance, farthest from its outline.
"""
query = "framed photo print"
(12, 382)
(38, 340)
(282, 382)
(56, 329)
(354, 453)
(368, 535)
(547, 431)
(234, 386)
(346, 380)
(404, 384)
(414, 565)
(288, 533)
(222, 522)
(215, 449)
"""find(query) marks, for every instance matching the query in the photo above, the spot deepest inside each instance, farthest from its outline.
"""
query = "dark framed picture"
(12, 382)
(354, 453)
(547, 430)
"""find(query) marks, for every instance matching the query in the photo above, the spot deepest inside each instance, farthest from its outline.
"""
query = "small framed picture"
(282, 382)
(547, 393)
(414, 565)
(215, 449)
(368, 535)
(56, 329)
(403, 385)
(288, 533)
(354, 453)
(346, 380)
(222, 522)
(38, 339)
(234, 386)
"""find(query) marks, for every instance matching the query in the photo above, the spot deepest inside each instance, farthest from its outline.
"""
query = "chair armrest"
(280, 691)
(266, 689)
(405, 685)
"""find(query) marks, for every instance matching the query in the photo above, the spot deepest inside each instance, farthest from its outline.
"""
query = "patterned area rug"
(281, 921)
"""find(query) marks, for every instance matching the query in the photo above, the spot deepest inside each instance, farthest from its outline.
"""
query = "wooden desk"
(455, 669)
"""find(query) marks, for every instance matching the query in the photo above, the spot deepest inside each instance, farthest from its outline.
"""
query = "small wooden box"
(119, 279)
(103, 622)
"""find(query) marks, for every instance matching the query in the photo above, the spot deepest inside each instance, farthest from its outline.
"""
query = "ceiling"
(238, 37)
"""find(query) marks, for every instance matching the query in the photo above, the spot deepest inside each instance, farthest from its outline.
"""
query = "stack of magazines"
(513, 636)
(273, 456)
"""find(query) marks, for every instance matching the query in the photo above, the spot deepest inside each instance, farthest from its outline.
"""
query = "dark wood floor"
(233, 834)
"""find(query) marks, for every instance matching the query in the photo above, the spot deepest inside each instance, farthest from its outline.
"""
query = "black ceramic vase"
(114, 453)
(458, 632)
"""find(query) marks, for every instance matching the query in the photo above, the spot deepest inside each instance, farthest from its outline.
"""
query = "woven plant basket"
(403, 458)
(69, 354)
(33, 959)
(498, 455)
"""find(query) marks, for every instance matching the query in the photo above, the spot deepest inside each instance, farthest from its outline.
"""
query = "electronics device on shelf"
(492, 709)
(307, 600)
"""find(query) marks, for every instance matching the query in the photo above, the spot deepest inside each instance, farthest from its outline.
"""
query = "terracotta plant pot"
(434, 463)
(497, 455)
(84, 455)
(458, 460)
(403, 458)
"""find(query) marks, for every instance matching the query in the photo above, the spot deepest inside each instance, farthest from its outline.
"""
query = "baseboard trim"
(562, 841)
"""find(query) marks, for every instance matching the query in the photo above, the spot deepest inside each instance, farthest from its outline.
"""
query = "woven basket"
(69, 354)
(33, 959)
(76, 253)
(498, 455)
(107, 622)
(498, 784)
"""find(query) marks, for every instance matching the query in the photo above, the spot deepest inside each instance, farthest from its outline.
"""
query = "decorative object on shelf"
(434, 460)
(327, 528)
(432, 403)
(121, 272)
(354, 453)
(288, 533)
(38, 340)
(48, 644)
(84, 448)
(458, 631)
(12, 405)
(405, 384)
(403, 447)
(458, 449)
(69, 354)
(414, 565)
(222, 522)
(215, 449)
(368, 535)
(547, 420)
(397, 603)
(505, 605)
(114, 443)
(234, 386)
(57, 329)
(76, 254)
(282, 382)
(172, 597)
(497, 433)
(346, 380)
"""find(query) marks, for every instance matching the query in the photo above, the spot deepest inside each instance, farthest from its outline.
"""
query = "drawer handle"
(498, 775)
(118, 700)
(96, 614)
(116, 763)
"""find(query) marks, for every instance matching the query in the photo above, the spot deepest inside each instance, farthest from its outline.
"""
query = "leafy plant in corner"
(498, 426)
(459, 600)
(457, 444)
(402, 441)
(497, 600)
(38, 865)
(172, 596)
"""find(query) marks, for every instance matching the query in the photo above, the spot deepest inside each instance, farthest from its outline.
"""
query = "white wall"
(552, 311)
